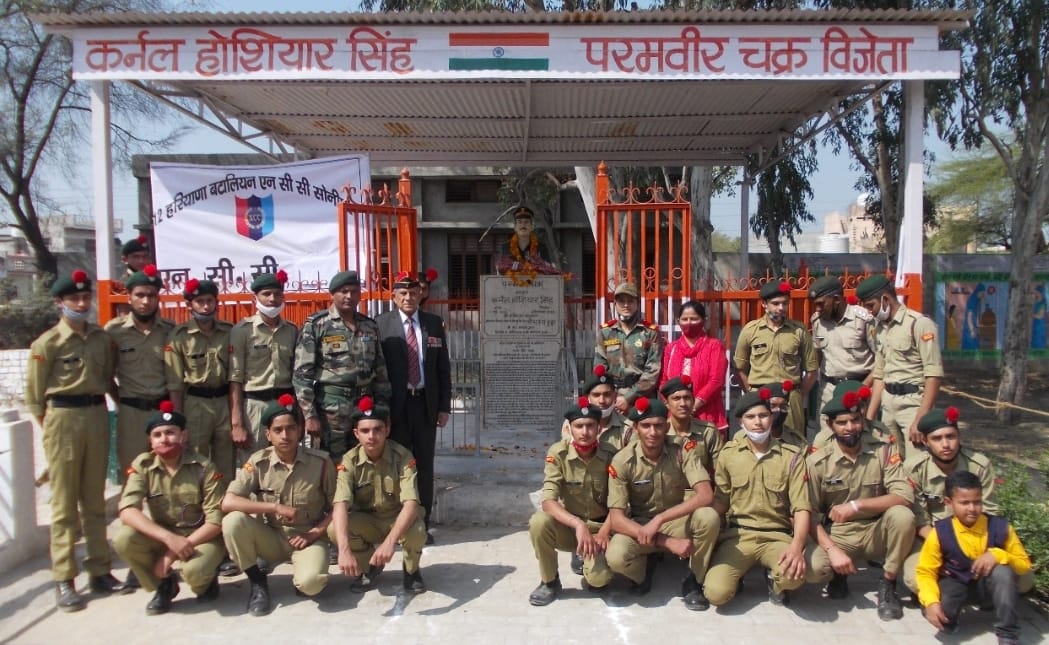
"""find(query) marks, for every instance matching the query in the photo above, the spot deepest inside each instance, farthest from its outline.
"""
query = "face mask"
(692, 330)
(849, 440)
(269, 312)
(75, 316)
(579, 447)
(775, 317)
(168, 451)
(607, 412)
(883, 313)
(758, 437)
(203, 318)
(779, 418)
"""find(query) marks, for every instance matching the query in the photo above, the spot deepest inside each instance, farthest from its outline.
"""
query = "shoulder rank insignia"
(130, 471)
(612, 472)
(410, 464)
(550, 459)
(894, 458)
(340, 468)
(217, 476)
(248, 467)
(928, 336)
(690, 445)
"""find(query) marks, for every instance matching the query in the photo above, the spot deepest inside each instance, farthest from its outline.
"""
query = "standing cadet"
(262, 353)
(684, 427)
(631, 349)
(666, 491)
(291, 490)
(135, 254)
(183, 492)
(760, 489)
(840, 333)
(574, 513)
(416, 353)
(908, 368)
(859, 487)
(774, 348)
(197, 360)
(338, 360)
(70, 367)
(377, 505)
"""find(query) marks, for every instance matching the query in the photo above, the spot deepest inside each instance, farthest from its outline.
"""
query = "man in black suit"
(416, 352)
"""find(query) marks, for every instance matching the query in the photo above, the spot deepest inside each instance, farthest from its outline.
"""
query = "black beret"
(284, 405)
(195, 288)
(775, 288)
(67, 285)
(343, 278)
(583, 409)
(599, 377)
(938, 418)
(166, 416)
(825, 286)
(134, 245)
(147, 277)
(368, 409)
(645, 408)
(269, 281)
(750, 400)
(676, 384)
(871, 287)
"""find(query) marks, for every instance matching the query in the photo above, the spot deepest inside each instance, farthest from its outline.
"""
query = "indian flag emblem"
(517, 51)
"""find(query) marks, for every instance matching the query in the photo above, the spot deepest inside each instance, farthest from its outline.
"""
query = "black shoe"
(106, 583)
(166, 592)
(66, 597)
(129, 585)
(642, 588)
(366, 581)
(333, 555)
(889, 606)
(413, 583)
(211, 593)
(778, 598)
(692, 592)
(429, 539)
(950, 628)
(228, 568)
(545, 593)
(577, 564)
(259, 600)
(838, 587)
(264, 567)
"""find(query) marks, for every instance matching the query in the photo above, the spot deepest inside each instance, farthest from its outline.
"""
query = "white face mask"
(75, 316)
(607, 412)
(883, 313)
(269, 312)
(758, 437)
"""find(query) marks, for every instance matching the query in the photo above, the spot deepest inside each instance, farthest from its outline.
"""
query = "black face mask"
(849, 440)
(779, 418)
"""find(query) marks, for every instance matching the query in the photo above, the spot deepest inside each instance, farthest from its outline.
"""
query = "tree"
(783, 190)
(45, 114)
(1005, 83)
(974, 198)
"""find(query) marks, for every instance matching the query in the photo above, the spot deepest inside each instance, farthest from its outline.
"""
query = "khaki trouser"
(740, 549)
(624, 554)
(252, 419)
(897, 413)
(76, 444)
(910, 571)
(132, 439)
(249, 538)
(141, 553)
(887, 538)
(366, 530)
(550, 536)
(207, 421)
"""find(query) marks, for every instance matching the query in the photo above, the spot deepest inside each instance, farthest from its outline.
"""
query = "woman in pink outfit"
(703, 359)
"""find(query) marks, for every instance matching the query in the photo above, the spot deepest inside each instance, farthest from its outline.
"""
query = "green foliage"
(722, 243)
(21, 322)
(975, 195)
(1023, 504)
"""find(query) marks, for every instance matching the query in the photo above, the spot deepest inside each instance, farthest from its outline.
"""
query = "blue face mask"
(203, 317)
(75, 316)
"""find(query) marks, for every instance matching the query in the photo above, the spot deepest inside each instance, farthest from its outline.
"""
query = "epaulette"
(359, 316)
(314, 317)
(609, 323)
(862, 313)
(789, 447)
(652, 326)
(316, 453)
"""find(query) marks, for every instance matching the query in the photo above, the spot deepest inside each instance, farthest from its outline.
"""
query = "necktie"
(413, 355)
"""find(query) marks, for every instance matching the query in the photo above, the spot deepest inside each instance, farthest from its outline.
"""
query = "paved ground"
(479, 580)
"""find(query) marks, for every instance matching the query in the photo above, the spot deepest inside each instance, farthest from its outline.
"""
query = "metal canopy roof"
(510, 121)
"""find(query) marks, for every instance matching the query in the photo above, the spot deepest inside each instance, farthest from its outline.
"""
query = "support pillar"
(909, 258)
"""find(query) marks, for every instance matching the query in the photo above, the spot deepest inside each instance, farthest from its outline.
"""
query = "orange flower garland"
(525, 276)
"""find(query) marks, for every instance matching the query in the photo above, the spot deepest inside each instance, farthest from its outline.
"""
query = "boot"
(166, 592)
(259, 600)
(104, 584)
(692, 592)
(642, 588)
(889, 607)
(366, 581)
(228, 568)
(67, 599)
(545, 593)
(778, 598)
(838, 587)
(130, 584)
(577, 564)
(413, 583)
(211, 593)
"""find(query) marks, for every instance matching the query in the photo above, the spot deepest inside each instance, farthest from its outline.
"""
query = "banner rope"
(991, 404)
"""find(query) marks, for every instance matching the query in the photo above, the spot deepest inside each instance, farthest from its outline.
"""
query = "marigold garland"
(525, 276)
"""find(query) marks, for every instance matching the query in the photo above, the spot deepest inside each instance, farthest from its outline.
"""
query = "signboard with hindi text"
(228, 223)
(522, 330)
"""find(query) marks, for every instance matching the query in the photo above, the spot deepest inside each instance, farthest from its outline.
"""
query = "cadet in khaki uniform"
(631, 349)
(760, 488)
(614, 429)
(859, 488)
(574, 514)
(197, 360)
(778, 395)
(774, 348)
(928, 472)
(377, 504)
(873, 426)
(291, 490)
(677, 392)
(70, 368)
(262, 353)
(338, 360)
(908, 367)
(658, 500)
(183, 492)
(139, 336)
(840, 333)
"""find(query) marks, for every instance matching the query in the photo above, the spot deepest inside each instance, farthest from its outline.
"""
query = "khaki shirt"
(844, 346)
(906, 349)
(140, 356)
(195, 358)
(766, 355)
(182, 502)
(647, 487)
(762, 494)
(706, 435)
(581, 486)
(634, 358)
(929, 489)
(64, 363)
(836, 479)
(262, 358)
(380, 487)
(308, 485)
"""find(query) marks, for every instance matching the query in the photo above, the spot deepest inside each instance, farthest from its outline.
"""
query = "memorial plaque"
(522, 329)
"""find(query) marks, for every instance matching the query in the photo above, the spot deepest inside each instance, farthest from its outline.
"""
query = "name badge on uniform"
(760, 346)
(432, 341)
(126, 350)
(609, 342)
(642, 482)
(367, 338)
(834, 482)
(334, 342)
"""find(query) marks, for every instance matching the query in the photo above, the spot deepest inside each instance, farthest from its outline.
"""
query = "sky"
(833, 184)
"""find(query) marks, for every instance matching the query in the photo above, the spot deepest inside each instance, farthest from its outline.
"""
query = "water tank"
(834, 243)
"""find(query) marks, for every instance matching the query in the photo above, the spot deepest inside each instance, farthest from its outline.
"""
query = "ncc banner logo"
(255, 216)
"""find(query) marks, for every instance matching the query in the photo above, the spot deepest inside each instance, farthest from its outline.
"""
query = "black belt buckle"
(76, 400)
(207, 392)
(416, 391)
(899, 389)
(146, 405)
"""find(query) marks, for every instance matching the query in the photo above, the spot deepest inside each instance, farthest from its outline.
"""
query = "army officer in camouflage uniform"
(631, 349)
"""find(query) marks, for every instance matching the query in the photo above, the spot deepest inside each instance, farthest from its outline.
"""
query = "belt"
(416, 391)
(75, 401)
(345, 390)
(733, 525)
(272, 394)
(598, 520)
(834, 380)
(901, 388)
(208, 392)
(146, 405)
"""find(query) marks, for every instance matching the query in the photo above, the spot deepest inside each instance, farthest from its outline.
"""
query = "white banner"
(228, 223)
